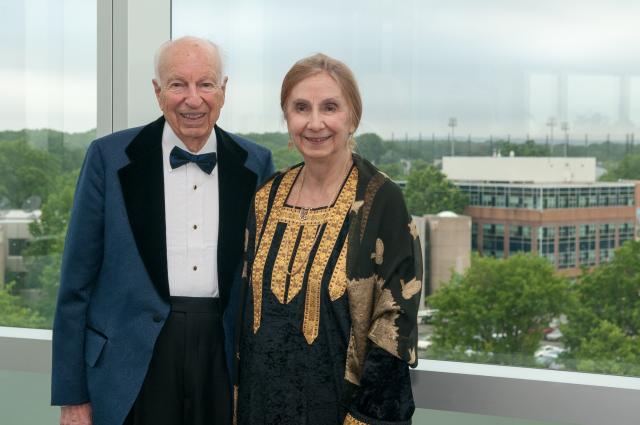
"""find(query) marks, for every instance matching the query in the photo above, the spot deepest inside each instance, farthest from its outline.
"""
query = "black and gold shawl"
(384, 275)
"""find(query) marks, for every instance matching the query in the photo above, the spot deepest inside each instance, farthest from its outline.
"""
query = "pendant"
(303, 213)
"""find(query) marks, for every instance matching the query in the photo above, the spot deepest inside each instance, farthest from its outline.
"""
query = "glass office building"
(572, 225)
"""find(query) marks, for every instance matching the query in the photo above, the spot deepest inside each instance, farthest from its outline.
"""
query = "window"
(625, 232)
(519, 239)
(47, 119)
(587, 245)
(546, 243)
(16, 246)
(566, 247)
(583, 200)
(474, 236)
(607, 241)
(549, 199)
(501, 197)
(418, 67)
(493, 240)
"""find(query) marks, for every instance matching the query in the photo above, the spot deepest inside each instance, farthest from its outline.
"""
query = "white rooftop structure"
(19, 216)
(447, 214)
(520, 169)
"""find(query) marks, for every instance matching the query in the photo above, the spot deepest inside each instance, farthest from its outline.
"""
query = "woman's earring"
(290, 144)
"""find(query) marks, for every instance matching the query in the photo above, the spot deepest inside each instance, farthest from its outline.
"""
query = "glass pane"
(467, 78)
(47, 119)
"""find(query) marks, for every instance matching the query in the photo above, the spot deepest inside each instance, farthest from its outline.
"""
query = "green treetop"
(429, 192)
(627, 169)
(498, 309)
(603, 333)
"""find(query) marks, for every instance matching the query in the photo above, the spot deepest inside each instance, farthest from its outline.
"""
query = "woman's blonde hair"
(341, 74)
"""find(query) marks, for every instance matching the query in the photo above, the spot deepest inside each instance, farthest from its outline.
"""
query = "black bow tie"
(206, 161)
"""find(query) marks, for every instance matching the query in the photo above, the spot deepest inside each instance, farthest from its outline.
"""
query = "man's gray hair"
(215, 49)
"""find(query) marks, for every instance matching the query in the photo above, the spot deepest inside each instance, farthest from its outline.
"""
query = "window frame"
(125, 99)
(515, 391)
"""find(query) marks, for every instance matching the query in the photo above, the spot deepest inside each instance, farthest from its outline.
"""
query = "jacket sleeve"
(81, 262)
(242, 326)
(269, 168)
(384, 395)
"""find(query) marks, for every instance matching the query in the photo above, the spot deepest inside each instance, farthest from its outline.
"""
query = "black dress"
(296, 336)
(328, 315)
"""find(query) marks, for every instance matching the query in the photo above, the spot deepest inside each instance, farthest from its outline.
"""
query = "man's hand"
(76, 415)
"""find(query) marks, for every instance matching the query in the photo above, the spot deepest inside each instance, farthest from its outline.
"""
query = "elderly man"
(153, 256)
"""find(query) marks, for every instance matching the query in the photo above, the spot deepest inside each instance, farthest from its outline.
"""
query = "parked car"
(423, 344)
(554, 335)
(548, 354)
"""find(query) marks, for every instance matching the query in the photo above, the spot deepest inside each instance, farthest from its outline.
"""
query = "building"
(14, 236)
(447, 248)
(549, 206)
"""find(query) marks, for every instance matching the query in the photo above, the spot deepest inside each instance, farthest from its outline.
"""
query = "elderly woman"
(333, 273)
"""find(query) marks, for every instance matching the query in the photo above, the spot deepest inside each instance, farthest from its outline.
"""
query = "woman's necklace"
(304, 212)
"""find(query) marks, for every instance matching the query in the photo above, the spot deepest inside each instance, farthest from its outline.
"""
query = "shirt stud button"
(195, 268)
(195, 226)
(195, 186)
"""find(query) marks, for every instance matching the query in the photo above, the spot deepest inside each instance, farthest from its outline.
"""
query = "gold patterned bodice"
(308, 240)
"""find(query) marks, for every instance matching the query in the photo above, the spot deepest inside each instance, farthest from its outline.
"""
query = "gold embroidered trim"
(260, 206)
(410, 288)
(370, 192)
(384, 331)
(355, 207)
(263, 245)
(378, 256)
(350, 420)
(331, 219)
(329, 238)
(291, 215)
(235, 405)
(413, 229)
(338, 283)
(361, 300)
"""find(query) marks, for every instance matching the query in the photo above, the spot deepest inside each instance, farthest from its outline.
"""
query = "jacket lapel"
(236, 186)
(142, 182)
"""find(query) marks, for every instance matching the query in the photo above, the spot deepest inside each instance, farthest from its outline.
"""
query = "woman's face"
(318, 119)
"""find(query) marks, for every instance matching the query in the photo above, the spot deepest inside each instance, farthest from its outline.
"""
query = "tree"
(370, 146)
(607, 349)
(285, 157)
(43, 256)
(393, 170)
(628, 169)
(528, 148)
(277, 143)
(13, 313)
(25, 171)
(429, 192)
(603, 330)
(498, 309)
(48, 233)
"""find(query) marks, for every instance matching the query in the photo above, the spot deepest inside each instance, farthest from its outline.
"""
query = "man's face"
(190, 91)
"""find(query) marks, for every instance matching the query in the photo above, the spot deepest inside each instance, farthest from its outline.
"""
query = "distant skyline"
(500, 67)
(490, 64)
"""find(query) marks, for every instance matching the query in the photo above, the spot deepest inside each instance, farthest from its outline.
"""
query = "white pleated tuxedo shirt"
(192, 215)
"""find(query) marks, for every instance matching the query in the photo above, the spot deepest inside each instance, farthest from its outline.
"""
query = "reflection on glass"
(47, 119)
(572, 90)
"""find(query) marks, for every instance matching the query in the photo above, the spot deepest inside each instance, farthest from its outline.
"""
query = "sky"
(501, 67)
(48, 68)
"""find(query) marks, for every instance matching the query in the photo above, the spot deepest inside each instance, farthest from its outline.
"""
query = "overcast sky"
(500, 67)
(48, 68)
